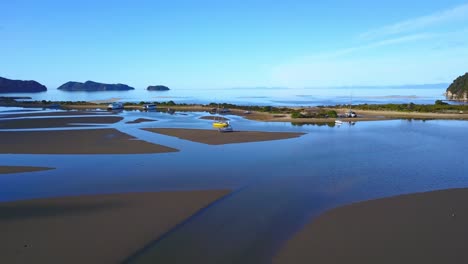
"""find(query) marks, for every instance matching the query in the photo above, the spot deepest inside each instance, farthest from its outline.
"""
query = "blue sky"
(216, 44)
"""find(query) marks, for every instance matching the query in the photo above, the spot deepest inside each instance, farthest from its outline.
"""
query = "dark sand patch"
(92, 141)
(56, 122)
(92, 229)
(140, 120)
(214, 137)
(18, 169)
(427, 227)
(54, 113)
(214, 118)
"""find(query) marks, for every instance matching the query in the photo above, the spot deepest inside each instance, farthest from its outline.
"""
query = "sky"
(226, 44)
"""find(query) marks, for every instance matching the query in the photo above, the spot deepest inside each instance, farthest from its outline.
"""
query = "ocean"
(419, 94)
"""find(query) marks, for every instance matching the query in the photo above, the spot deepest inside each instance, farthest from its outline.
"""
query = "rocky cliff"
(458, 90)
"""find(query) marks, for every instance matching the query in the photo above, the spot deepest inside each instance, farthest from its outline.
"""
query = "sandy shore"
(418, 228)
(57, 122)
(90, 141)
(18, 169)
(214, 118)
(54, 113)
(213, 137)
(92, 229)
(140, 120)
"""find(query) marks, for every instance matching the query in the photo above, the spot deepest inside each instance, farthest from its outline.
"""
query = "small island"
(458, 90)
(91, 86)
(18, 86)
(157, 88)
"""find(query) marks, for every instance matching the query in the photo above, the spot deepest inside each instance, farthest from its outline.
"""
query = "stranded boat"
(115, 106)
(149, 107)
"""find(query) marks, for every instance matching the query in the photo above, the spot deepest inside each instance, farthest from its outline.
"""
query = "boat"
(225, 129)
(220, 124)
(338, 122)
(149, 107)
(115, 106)
(350, 113)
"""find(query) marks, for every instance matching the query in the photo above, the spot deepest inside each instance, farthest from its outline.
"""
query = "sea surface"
(420, 94)
(278, 186)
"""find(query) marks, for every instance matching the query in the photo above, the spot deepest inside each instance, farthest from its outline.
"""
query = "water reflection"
(281, 184)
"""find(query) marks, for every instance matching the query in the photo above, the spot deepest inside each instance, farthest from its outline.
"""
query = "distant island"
(458, 90)
(18, 86)
(91, 86)
(157, 88)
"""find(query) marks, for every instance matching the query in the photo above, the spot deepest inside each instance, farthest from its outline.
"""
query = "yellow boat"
(220, 124)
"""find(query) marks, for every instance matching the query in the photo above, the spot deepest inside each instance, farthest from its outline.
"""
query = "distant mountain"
(17, 86)
(91, 86)
(458, 90)
(157, 88)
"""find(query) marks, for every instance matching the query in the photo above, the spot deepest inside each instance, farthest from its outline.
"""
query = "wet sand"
(57, 122)
(140, 120)
(89, 141)
(19, 169)
(214, 137)
(427, 227)
(93, 229)
(54, 113)
(214, 118)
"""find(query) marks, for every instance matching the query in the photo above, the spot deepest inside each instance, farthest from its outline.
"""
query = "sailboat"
(350, 113)
(219, 123)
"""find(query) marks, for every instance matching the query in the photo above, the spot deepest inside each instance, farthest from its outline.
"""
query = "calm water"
(277, 186)
(425, 94)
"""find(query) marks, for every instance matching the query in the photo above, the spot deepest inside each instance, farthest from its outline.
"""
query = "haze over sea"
(275, 96)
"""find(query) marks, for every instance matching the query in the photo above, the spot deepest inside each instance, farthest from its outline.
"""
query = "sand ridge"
(93, 229)
(57, 122)
(214, 137)
(89, 141)
(426, 227)
(19, 169)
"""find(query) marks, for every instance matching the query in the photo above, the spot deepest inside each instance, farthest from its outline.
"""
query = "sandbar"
(214, 118)
(19, 169)
(56, 122)
(89, 141)
(55, 113)
(214, 137)
(93, 229)
(426, 227)
(140, 120)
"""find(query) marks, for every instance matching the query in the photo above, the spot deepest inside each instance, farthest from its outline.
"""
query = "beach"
(57, 122)
(140, 120)
(214, 137)
(93, 229)
(89, 141)
(19, 169)
(425, 227)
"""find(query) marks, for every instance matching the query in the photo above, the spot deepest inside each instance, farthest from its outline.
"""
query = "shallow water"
(278, 185)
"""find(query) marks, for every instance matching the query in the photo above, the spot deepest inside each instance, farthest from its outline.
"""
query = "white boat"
(149, 107)
(115, 106)
(338, 122)
(225, 129)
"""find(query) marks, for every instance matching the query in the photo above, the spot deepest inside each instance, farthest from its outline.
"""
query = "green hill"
(91, 86)
(458, 90)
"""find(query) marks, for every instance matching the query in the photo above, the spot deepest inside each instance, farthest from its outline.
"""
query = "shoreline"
(426, 227)
(362, 115)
